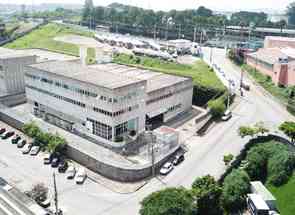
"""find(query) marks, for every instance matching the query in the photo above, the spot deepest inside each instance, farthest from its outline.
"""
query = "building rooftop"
(99, 76)
(288, 39)
(262, 191)
(155, 80)
(269, 55)
(258, 202)
(9, 53)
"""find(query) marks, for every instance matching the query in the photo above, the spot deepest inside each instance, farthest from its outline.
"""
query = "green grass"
(90, 56)
(200, 72)
(44, 38)
(282, 93)
(285, 196)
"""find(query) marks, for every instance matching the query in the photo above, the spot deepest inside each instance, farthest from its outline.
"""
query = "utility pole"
(152, 141)
(57, 211)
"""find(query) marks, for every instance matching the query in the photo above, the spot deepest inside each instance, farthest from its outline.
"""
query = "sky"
(225, 5)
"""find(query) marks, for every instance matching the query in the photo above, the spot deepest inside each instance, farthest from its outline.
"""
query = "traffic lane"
(23, 171)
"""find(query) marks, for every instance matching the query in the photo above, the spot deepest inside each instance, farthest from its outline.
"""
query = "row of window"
(65, 86)
(81, 104)
(173, 108)
(83, 92)
(168, 95)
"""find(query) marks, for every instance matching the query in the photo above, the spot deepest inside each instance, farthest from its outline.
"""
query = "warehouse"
(105, 102)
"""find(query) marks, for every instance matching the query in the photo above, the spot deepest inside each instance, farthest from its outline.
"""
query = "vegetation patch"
(206, 83)
(43, 38)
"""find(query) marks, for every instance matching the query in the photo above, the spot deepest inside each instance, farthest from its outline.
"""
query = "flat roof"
(9, 53)
(259, 203)
(155, 80)
(261, 189)
(278, 38)
(269, 55)
(99, 76)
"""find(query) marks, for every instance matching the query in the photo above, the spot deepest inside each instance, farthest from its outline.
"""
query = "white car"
(80, 176)
(71, 172)
(35, 150)
(167, 168)
(227, 115)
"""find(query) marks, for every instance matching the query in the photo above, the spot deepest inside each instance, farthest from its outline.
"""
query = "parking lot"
(23, 171)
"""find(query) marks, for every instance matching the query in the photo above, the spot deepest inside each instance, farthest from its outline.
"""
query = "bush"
(169, 201)
(280, 167)
(256, 167)
(217, 108)
(235, 188)
(227, 159)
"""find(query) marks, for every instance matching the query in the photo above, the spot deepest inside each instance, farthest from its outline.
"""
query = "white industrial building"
(12, 72)
(106, 101)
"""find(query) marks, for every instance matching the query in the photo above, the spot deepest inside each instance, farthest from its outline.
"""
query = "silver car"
(35, 150)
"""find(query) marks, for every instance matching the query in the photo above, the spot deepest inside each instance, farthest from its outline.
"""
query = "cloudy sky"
(179, 4)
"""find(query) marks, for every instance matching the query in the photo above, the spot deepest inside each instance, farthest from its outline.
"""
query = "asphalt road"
(205, 156)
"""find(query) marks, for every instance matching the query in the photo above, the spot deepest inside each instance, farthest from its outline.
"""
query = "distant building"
(276, 59)
(105, 102)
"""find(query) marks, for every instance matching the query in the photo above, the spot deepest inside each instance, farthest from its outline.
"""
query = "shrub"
(227, 159)
(235, 187)
(217, 108)
(280, 167)
(169, 201)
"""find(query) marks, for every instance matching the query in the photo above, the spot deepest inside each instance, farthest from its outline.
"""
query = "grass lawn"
(44, 38)
(90, 56)
(200, 72)
(282, 93)
(285, 197)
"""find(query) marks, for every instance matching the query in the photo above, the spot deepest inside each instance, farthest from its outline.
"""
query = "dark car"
(8, 134)
(15, 139)
(2, 130)
(63, 166)
(55, 162)
(21, 143)
(178, 159)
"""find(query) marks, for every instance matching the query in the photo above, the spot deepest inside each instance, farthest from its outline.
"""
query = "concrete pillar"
(83, 55)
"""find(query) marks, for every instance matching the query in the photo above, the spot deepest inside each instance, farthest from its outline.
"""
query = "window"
(101, 129)
(121, 129)
(1, 68)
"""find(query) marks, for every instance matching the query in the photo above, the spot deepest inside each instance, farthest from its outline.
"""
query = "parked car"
(21, 143)
(80, 176)
(15, 139)
(62, 166)
(35, 150)
(7, 135)
(178, 159)
(167, 168)
(44, 203)
(48, 158)
(2, 130)
(71, 172)
(245, 85)
(27, 148)
(55, 162)
(227, 115)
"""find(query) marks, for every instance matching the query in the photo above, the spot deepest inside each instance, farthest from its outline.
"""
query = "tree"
(88, 10)
(31, 129)
(289, 129)
(291, 13)
(235, 188)
(247, 17)
(217, 107)
(56, 144)
(204, 12)
(280, 167)
(169, 201)
(38, 192)
(256, 167)
(207, 192)
(260, 128)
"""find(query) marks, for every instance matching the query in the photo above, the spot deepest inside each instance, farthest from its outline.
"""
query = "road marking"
(11, 204)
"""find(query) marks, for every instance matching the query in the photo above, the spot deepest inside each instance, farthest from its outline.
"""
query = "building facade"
(12, 72)
(101, 102)
(276, 60)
